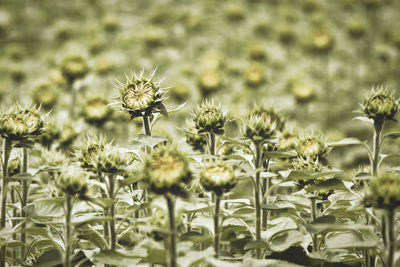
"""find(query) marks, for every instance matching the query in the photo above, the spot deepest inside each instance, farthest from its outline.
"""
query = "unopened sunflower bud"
(14, 166)
(322, 41)
(72, 182)
(74, 67)
(209, 118)
(218, 178)
(167, 170)
(89, 152)
(385, 191)
(380, 105)
(269, 112)
(303, 92)
(141, 95)
(96, 112)
(312, 147)
(195, 140)
(210, 81)
(21, 124)
(307, 164)
(53, 158)
(258, 128)
(45, 95)
(255, 75)
(112, 161)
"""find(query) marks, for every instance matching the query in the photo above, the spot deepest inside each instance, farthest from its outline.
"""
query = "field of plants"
(200, 133)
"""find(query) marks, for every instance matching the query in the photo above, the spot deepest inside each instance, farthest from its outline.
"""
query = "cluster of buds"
(312, 147)
(74, 67)
(72, 182)
(167, 170)
(21, 124)
(96, 112)
(384, 191)
(141, 95)
(217, 178)
(262, 123)
(209, 118)
(380, 105)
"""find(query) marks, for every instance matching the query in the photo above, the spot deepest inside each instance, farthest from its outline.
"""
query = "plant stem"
(212, 144)
(265, 187)
(390, 238)
(257, 202)
(70, 86)
(68, 230)
(25, 189)
(216, 224)
(378, 125)
(172, 247)
(146, 125)
(113, 234)
(314, 217)
(6, 155)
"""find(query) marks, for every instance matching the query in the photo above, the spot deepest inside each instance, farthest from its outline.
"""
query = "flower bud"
(255, 75)
(258, 127)
(217, 178)
(21, 124)
(112, 161)
(14, 166)
(380, 105)
(385, 191)
(322, 41)
(274, 116)
(210, 81)
(88, 154)
(312, 147)
(74, 67)
(72, 182)
(45, 95)
(141, 95)
(195, 140)
(303, 92)
(167, 170)
(96, 112)
(209, 118)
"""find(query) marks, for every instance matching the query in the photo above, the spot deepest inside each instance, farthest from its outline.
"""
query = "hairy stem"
(6, 155)
(216, 224)
(172, 245)
(25, 191)
(390, 238)
(113, 234)
(314, 217)
(265, 188)
(378, 125)
(68, 230)
(257, 200)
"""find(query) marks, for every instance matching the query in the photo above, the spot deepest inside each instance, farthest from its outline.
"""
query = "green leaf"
(115, 258)
(163, 110)
(150, 141)
(23, 176)
(242, 143)
(364, 119)
(325, 256)
(331, 184)
(284, 241)
(392, 136)
(280, 225)
(102, 202)
(346, 142)
(303, 175)
(280, 154)
(256, 244)
(93, 237)
(358, 238)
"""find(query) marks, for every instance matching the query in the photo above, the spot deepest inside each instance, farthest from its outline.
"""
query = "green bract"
(380, 105)
(209, 118)
(112, 161)
(21, 124)
(141, 95)
(385, 191)
(74, 67)
(218, 178)
(89, 152)
(272, 114)
(73, 182)
(166, 170)
(14, 166)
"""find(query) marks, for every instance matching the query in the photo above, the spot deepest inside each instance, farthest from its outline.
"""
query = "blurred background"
(313, 60)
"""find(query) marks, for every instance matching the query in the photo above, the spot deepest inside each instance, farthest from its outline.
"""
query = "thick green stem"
(390, 238)
(212, 144)
(314, 217)
(172, 227)
(113, 234)
(257, 199)
(6, 155)
(68, 230)
(265, 187)
(146, 125)
(216, 224)
(25, 189)
(378, 125)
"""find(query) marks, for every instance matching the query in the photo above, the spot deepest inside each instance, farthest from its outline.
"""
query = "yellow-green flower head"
(141, 95)
(302, 91)
(288, 141)
(269, 112)
(255, 75)
(68, 135)
(218, 178)
(307, 164)
(89, 152)
(210, 81)
(74, 67)
(322, 41)
(95, 111)
(45, 94)
(14, 166)
(195, 140)
(167, 170)
(72, 182)
(380, 105)
(312, 147)
(21, 124)
(258, 127)
(209, 118)
(385, 191)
